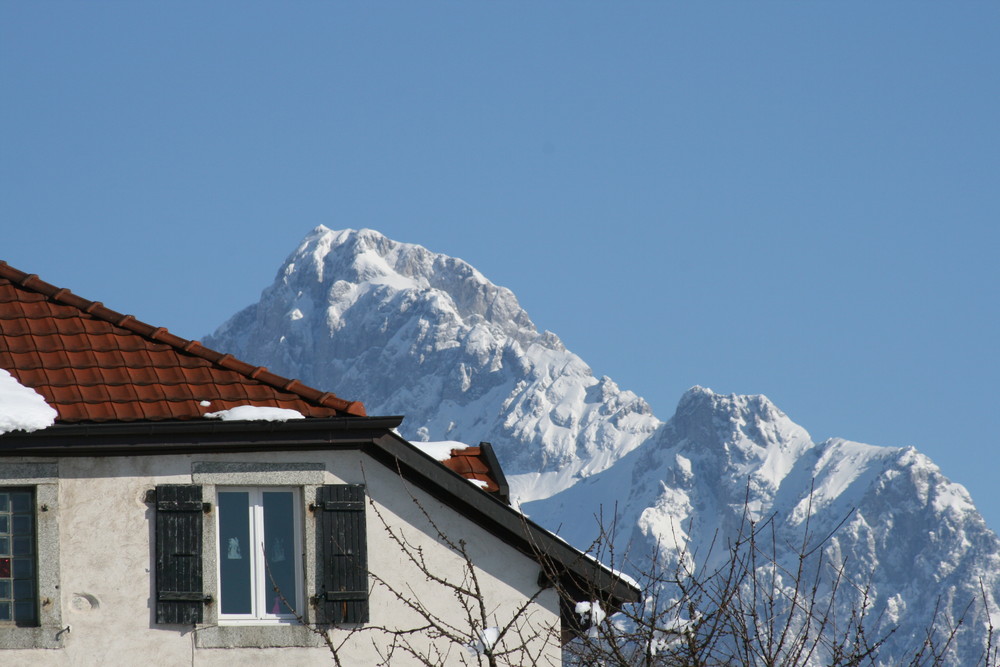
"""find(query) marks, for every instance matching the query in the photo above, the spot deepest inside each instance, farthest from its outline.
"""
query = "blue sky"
(794, 199)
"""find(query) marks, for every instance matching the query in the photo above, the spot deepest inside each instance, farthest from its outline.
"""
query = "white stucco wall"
(105, 551)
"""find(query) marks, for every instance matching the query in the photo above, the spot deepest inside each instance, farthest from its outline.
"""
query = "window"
(18, 592)
(29, 557)
(259, 550)
(309, 536)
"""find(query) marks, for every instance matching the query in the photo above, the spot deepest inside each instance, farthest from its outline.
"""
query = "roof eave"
(143, 438)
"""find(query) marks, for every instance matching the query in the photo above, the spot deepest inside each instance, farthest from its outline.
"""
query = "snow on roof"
(22, 408)
(440, 450)
(255, 413)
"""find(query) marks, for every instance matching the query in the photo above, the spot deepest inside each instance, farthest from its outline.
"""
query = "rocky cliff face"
(412, 332)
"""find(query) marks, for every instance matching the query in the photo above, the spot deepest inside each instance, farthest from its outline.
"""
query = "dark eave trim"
(503, 490)
(194, 436)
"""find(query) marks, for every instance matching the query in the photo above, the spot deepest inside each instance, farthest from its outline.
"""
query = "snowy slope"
(412, 332)
(911, 536)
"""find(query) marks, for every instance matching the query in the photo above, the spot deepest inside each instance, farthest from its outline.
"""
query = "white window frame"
(260, 581)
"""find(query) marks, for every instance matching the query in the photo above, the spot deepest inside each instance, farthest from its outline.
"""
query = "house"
(191, 508)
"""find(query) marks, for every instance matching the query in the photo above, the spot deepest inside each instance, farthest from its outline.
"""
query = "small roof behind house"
(480, 466)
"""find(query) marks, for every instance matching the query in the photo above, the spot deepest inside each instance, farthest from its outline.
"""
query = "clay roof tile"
(479, 463)
(94, 364)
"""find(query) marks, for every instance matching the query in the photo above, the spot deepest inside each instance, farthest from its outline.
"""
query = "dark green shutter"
(179, 594)
(340, 510)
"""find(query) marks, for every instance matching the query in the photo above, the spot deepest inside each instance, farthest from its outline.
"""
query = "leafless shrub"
(764, 603)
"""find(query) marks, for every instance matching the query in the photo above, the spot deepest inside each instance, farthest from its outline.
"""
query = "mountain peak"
(698, 397)
(745, 439)
(367, 259)
(753, 415)
(423, 334)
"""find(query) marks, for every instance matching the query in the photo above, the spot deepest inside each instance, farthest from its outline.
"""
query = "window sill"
(256, 636)
(28, 638)
(257, 622)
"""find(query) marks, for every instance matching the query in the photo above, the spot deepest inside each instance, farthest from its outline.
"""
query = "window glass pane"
(280, 552)
(5, 611)
(20, 524)
(24, 568)
(22, 546)
(20, 501)
(24, 589)
(24, 612)
(235, 552)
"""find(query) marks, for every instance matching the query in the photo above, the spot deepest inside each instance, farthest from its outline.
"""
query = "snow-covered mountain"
(412, 332)
(905, 535)
(415, 333)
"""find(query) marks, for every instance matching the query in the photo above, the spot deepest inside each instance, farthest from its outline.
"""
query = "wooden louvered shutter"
(179, 594)
(343, 552)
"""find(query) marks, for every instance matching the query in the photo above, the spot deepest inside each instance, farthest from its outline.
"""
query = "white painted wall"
(106, 558)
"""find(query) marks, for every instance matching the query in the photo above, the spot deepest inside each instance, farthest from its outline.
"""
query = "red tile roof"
(93, 364)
